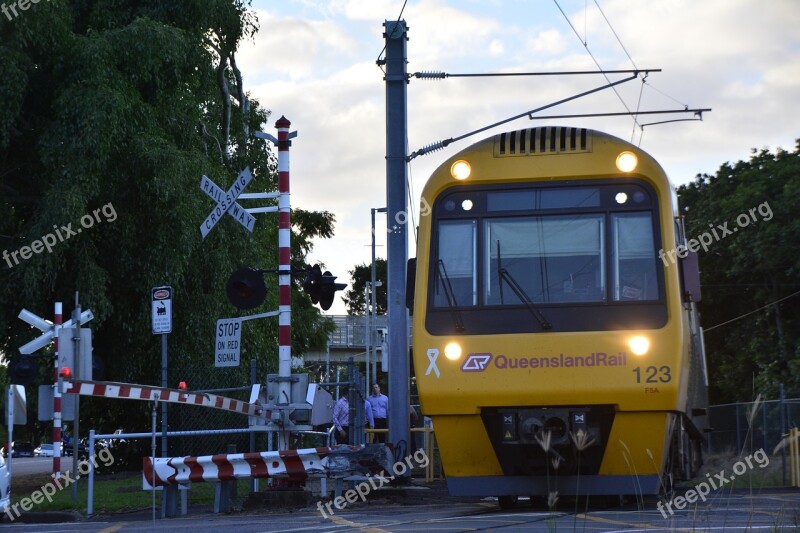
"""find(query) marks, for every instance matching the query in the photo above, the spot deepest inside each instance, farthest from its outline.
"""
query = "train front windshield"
(561, 252)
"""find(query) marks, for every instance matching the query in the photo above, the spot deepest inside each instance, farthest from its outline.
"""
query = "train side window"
(634, 257)
(454, 275)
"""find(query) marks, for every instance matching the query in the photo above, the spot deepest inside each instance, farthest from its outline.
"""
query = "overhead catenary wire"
(435, 74)
(662, 93)
(584, 41)
(442, 144)
(586, 46)
(411, 207)
(623, 113)
(751, 312)
(615, 34)
(630, 58)
(638, 108)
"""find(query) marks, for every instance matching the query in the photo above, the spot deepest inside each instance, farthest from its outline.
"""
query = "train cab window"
(516, 257)
(454, 271)
(552, 259)
(633, 257)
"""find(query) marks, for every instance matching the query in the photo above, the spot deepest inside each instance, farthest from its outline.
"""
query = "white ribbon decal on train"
(433, 355)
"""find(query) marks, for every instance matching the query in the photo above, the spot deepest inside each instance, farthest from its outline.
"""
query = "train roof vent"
(543, 141)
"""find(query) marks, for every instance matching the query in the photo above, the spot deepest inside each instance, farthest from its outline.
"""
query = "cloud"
(314, 62)
(296, 49)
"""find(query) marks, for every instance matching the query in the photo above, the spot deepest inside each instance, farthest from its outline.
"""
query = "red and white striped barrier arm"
(107, 389)
(296, 465)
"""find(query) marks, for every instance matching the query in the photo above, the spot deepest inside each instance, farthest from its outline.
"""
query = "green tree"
(354, 298)
(751, 276)
(114, 110)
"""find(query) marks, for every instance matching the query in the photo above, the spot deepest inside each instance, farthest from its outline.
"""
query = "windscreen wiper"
(505, 275)
(450, 295)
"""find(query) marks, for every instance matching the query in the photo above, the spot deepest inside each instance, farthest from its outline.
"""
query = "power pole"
(397, 213)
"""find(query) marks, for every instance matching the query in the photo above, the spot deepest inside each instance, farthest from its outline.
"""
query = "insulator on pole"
(430, 75)
(430, 148)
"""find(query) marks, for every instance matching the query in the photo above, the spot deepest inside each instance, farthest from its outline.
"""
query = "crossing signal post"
(321, 287)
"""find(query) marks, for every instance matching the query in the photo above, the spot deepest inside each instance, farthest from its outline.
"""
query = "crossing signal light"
(321, 287)
(246, 288)
(312, 282)
(328, 290)
(23, 370)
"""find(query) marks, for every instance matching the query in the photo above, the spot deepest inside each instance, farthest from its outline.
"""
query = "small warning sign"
(162, 310)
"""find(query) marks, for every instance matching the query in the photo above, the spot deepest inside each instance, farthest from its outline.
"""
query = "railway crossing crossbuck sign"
(226, 202)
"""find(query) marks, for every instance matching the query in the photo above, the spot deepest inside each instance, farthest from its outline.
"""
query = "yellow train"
(556, 341)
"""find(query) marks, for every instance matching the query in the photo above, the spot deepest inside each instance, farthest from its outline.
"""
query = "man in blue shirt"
(380, 410)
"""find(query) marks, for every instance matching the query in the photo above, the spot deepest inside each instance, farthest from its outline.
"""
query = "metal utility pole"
(76, 338)
(56, 397)
(367, 334)
(397, 213)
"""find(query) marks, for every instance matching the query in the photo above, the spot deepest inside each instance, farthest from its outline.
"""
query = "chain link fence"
(749, 426)
(233, 382)
(741, 428)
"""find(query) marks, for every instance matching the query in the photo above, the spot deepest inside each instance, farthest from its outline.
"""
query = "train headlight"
(627, 161)
(460, 170)
(452, 351)
(639, 344)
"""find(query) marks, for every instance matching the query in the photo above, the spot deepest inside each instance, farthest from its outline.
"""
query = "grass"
(113, 493)
(769, 476)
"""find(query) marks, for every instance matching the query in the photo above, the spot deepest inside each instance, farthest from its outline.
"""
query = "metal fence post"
(90, 490)
(738, 431)
(253, 378)
(782, 407)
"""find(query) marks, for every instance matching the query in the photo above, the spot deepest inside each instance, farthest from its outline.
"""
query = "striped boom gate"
(127, 391)
(296, 465)
(335, 462)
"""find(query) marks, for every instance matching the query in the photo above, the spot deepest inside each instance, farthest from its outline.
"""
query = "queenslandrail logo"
(478, 362)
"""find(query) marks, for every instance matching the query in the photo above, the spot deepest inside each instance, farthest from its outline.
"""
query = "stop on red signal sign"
(228, 342)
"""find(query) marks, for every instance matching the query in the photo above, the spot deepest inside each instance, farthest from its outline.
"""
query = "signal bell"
(246, 288)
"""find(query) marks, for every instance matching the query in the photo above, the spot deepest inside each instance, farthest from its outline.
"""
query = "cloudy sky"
(314, 61)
